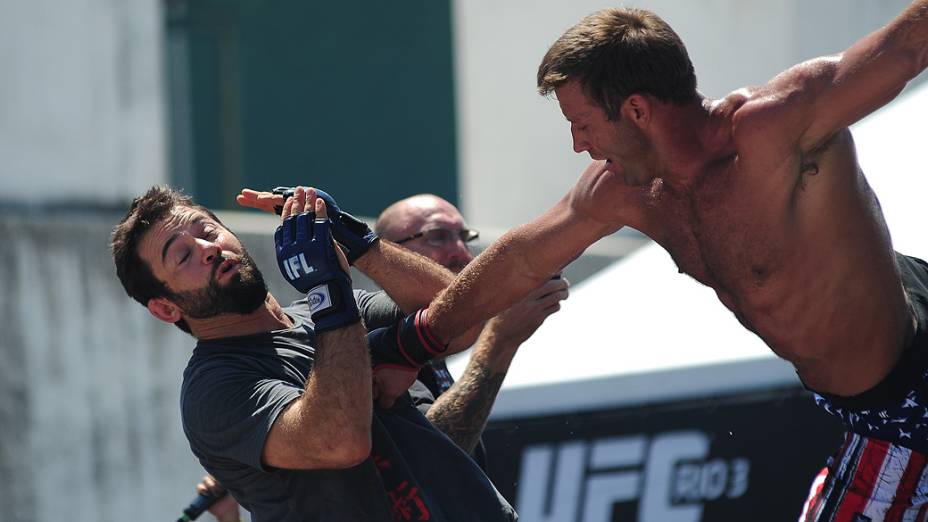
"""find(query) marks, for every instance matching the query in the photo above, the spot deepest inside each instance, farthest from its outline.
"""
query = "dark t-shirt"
(377, 309)
(233, 390)
(434, 378)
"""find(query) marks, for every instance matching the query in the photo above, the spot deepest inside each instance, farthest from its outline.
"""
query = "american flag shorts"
(870, 480)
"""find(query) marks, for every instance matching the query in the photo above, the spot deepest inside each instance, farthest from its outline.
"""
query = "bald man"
(433, 227)
(429, 225)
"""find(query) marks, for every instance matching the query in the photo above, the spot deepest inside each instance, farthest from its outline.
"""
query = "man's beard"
(243, 294)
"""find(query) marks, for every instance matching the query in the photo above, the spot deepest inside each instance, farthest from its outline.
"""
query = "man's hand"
(310, 262)
(263, 200)
(513, 326)
(226, 508)
(354, 235)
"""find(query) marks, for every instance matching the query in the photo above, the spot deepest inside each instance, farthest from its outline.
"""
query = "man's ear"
(164, 309)
(637, 109)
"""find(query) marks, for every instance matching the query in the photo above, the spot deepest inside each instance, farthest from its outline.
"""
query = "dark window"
(355, 97)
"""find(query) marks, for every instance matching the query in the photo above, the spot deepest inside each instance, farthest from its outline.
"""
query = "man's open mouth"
(226, 268)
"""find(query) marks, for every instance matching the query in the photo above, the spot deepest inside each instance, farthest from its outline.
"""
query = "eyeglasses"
(443, 236)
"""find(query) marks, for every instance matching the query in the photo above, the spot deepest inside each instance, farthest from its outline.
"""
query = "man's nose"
(458, 251)
(209, 251)
(580, 144)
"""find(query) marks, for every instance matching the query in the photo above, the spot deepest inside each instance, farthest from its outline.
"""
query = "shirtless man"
(759, 196)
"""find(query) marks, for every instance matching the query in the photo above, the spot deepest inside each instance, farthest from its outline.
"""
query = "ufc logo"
(668, 474)
(295, 264)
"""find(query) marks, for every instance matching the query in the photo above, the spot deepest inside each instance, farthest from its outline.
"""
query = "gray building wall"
(89, 382)
(89, 424)
(82, 100)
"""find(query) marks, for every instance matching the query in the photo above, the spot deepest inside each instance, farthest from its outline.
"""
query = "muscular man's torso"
(794, 243)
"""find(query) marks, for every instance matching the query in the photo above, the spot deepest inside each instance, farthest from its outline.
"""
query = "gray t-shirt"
(434, 378)
(233, 390)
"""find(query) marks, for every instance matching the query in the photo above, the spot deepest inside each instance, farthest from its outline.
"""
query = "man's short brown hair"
(614, 53)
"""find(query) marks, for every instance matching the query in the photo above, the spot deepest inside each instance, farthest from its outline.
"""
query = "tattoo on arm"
(462, 411)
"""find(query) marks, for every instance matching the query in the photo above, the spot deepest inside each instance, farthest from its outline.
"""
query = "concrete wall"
(82, 100)
(89, 383)
(514, 146)
(89, 423)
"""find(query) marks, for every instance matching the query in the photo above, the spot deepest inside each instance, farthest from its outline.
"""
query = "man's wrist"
(354, 235)
(501, 336)
(370, 258)
(408, 344)
(332, 304)
(495, 354)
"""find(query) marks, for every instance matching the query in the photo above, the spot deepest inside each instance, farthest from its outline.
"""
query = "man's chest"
(726, 230)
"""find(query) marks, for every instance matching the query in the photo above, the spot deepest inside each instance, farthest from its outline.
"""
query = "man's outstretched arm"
(822, 96)
(528, 255)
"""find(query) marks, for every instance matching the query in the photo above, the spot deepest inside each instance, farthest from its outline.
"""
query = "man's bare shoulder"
(764, 121)
(605, 195)
(751, 109)
(780, 110)
(734, 101)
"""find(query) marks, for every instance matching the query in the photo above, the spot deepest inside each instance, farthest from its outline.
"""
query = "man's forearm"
(329, 425)
(410, 279)
(462, 411)
(492, 282)
(339, 386)
(912, 26)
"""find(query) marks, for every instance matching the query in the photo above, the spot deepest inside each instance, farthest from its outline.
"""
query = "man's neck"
(267, 317)
(684, 137)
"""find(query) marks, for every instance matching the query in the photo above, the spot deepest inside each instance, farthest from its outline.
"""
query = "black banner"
(747, 457)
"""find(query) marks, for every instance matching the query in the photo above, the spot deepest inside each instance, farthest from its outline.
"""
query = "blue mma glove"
(307, 259)
(406, 345)
(350, 232)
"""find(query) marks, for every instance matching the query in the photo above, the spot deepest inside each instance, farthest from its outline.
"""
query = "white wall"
(514, 146)
(81, 100)
(89, 383)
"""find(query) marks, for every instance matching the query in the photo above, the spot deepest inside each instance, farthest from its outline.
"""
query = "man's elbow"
(350, 450)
